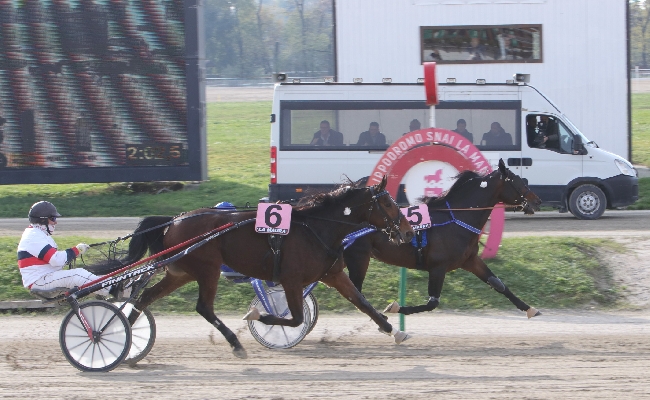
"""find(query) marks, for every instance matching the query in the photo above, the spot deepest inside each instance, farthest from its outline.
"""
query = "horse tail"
(147, 236)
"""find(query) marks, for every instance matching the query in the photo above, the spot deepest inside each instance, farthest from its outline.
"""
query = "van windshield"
(374, 125)
(574, 129)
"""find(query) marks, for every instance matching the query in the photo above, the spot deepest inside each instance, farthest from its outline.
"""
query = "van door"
(547, 157)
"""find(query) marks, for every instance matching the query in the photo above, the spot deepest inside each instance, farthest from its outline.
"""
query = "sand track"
(451, 356)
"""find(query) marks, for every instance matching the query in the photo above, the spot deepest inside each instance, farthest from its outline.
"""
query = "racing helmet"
(41, 212)
(225, 205)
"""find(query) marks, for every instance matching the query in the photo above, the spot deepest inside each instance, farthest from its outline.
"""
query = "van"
(320, 135)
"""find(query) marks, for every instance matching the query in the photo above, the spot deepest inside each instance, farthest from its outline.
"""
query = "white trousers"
(67, 278)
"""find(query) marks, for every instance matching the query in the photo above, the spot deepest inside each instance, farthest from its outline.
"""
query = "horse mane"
(462, 179)
(319, 200)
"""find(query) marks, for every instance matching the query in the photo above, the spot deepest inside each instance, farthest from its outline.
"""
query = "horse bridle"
(392, 225)
(511, 181)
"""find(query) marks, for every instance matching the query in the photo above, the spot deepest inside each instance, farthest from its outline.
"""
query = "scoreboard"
(101, 91)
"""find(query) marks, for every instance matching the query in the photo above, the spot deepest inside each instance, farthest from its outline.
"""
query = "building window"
(481, 44)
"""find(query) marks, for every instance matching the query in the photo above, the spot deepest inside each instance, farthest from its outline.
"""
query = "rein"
(520, 206)
(221, 229)
(121, 238)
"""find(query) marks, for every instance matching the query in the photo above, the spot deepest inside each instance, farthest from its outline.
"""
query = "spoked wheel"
(278, 336)
(143, 334)
(313, 309)
(111, 337)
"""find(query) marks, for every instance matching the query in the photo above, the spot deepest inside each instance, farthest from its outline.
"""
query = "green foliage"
(251, 38)
(639, 33)
(544, 272)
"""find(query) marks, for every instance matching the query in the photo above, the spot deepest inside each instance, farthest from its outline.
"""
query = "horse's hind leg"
(293, 294)
(476, 266)
(436, 280)
(205, 307)
(346, 288)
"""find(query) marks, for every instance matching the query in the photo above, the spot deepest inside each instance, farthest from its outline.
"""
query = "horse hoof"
(392, 308)
(240, 353)
(401, 337)
(532, 312)
(253, 315)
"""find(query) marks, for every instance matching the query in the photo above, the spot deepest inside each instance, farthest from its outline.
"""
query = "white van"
(568, 172)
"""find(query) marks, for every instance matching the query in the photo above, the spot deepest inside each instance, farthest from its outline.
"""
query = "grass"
(641, 129)
(570, 276)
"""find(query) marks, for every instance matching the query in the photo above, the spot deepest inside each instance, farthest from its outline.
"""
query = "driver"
(39, 260)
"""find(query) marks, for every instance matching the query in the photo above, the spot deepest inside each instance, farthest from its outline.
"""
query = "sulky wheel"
(278, 336)
(111, 337)
(143, 334)
(313, 309)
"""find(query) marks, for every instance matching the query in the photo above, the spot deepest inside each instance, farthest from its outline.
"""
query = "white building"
(575, 50)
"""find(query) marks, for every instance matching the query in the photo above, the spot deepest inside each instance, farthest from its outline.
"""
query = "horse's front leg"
(293, 292)
(357, 259)
(436, 280)
(476, 266)
(341, 282)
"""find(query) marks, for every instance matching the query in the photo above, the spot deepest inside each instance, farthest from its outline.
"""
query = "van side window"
(547, 132)
(489, 125)
(348, 125)
(357, 125)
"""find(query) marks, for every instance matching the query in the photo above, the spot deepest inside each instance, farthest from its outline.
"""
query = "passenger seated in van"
(326, 136)
(496, 136)
(547, 136)
(414, 125)
(372, 137)
(461, 126)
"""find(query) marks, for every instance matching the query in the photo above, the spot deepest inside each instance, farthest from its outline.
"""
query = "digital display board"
(101, 91)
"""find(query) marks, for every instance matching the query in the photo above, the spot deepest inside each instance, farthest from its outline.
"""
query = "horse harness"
(275, 241)
(420, 239)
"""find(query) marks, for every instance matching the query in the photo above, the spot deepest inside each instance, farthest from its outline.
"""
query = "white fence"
(639, 73)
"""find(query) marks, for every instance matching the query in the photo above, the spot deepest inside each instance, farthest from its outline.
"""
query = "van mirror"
(578, 147)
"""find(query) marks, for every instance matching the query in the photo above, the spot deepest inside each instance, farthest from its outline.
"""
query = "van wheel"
(587, 202)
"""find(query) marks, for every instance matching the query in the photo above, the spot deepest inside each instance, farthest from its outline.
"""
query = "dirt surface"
(578, 355)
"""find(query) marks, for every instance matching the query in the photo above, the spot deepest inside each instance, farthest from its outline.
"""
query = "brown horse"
(311, 252)
(454, 242)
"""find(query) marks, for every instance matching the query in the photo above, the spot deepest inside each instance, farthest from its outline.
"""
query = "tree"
(639, 35)
(242, 34)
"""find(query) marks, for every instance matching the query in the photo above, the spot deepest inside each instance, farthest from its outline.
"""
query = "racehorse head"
(356, 203)
(395, 224)
(515, 191)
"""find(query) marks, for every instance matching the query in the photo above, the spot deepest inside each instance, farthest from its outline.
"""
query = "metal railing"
(639, 73)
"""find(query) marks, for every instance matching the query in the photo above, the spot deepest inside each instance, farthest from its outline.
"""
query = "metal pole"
(402, 296)
(432, 117)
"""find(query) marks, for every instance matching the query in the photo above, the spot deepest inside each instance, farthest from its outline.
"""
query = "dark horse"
(311, 252)
(451, 245)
